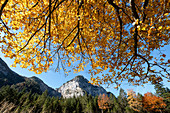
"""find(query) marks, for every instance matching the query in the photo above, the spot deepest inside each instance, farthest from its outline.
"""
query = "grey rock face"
(78, 86)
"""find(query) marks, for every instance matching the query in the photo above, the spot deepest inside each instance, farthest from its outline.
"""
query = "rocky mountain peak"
(78, 86)
(80, 78)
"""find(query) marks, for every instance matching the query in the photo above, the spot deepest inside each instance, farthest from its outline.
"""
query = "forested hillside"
(13, 101)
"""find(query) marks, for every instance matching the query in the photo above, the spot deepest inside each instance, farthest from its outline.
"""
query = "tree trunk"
(102, 110)
(160, 111)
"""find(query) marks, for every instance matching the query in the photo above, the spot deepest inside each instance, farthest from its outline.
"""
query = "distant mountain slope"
(44, 87)
(75, 87)
(78, 86)
(34, 84)
(7, 76)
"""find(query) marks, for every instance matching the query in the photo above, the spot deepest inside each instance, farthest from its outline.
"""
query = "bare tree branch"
(136, 41)
(126, 65)
(35, 4)
(2, 7)
(66, 38)
(148, 67)
(120, 23)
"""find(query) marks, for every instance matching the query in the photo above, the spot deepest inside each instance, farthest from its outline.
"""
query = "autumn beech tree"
(153, 103)
(113, 35)
(103, 102)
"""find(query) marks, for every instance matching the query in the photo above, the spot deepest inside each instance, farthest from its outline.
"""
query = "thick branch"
(49, 27)
(136, 41)
(135, 14)
(162, 68)
(144, 7)
(78, 13)
(32, 37)
(148, 69)
(2, 7)
(35, 4)
(120, 21)
(4, 24)
(113, 4)
(126, 66)
(72, 40)
(66, 38)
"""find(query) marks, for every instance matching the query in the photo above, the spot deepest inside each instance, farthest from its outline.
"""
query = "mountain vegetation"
(14, 101)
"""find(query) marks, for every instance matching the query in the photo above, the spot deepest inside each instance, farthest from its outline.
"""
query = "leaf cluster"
(114, 35)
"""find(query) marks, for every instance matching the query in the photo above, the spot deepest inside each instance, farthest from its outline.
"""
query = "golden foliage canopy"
(113, 35)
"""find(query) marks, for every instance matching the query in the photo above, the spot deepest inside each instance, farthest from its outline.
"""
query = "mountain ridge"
(34, 84)
(77, 86)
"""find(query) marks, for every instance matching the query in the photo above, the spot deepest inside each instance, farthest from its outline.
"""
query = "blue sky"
(56, 79)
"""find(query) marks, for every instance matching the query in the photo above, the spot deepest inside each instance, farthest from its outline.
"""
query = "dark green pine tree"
(129, 110)
(73, 104)
(84, 101)
(111, 97)
(67, 105)
(89, 107)
(56, 105)
(9, 94)
(27, 101)
(78, 107)
(40, 101)
(122, 100)
(116, 107)
(90, 103)
(160, 90)
(26, 98)
(47, 106)
(95, 103)
(164, 93)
